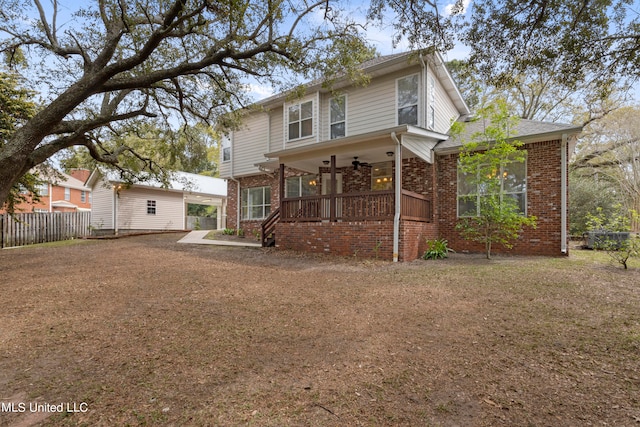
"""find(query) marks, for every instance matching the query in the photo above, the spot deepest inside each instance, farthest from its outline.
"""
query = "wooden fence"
(29, 228)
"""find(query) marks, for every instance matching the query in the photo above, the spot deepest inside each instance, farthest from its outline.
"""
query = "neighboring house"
(118, 207)
(60, 193)
(371, 171)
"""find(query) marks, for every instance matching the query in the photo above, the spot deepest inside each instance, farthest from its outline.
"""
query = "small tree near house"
(492, 182)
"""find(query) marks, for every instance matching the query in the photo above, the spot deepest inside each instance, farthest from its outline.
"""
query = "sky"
(380, 38)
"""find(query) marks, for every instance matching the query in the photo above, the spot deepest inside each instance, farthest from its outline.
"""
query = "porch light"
(390, 153)
(326, 162)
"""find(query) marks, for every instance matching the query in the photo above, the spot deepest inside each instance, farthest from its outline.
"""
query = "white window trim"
(243, 198)
(223, 145)
(346, 115)
(502, 192)
(67, 193)
(153, 204)
(419, 93)
(314, 118)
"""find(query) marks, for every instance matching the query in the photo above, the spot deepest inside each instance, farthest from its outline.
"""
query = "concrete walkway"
(197, 237)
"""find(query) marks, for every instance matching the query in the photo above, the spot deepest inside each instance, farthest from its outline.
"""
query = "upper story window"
(67, 193)
(338, 117)
(407, 96)
(512, 183)
(300, 119)
(382, 176)
(226, 148)
(431, 118)
(43, 189)
(299, 186)
(83, 196)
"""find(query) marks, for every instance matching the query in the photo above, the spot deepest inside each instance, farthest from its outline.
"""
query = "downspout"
(398, 197)
(233, 158)
(563, 194)
(424, 92)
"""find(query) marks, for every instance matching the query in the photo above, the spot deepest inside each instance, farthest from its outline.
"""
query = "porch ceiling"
(369, 148)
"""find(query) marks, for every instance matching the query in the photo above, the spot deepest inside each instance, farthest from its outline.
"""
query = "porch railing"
(372, 205)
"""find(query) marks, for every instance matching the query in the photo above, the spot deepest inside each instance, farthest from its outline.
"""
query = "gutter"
(563, 195)
(398, 197)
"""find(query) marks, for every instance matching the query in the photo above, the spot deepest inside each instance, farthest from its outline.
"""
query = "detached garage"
(118, 207)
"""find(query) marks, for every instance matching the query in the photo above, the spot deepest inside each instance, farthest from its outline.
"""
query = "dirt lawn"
(145, 331)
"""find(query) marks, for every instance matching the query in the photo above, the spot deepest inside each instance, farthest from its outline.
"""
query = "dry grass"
(149, 332)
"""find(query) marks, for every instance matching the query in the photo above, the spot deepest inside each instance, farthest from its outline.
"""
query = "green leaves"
(487, 182)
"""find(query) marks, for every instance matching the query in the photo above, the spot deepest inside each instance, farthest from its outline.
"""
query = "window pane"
(337, 130)
(337, 109)
(294, 130)
(515, 177)
(467, 206)
(520, 201)
(307, 110)
(408, 115)
(309, 185)
(408, 91)
(307, 127)
(226, 154)
(267, 195)
(293, 186)
(465, 186)
(294, 113)
(257, 212)
(256, 196)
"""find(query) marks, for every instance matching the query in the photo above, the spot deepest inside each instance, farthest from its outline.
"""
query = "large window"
(256, 203)
(67, 193)
(298, 186)
(407, 95)
(300, 119)
(338, 117)
(512, 183)
(382, 176)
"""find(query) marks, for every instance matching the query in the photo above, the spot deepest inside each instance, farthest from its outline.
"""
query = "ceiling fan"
(357, 163)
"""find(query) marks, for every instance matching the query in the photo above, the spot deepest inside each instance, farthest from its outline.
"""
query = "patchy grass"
(57, 244)
(149, 332)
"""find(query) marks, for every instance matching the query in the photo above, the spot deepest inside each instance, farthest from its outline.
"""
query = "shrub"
(436, 249)
(229, 231)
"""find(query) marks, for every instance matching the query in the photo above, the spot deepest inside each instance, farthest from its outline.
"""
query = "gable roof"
(525, 131)
(387, 64)
(179, 181)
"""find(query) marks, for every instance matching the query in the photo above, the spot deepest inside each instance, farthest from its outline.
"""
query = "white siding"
(132, 209)
(248, 146)
(102, 206)
(446, 111)
(276, 140)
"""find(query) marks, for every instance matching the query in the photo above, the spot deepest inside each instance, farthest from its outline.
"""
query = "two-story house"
(59, 192)
(371, 170)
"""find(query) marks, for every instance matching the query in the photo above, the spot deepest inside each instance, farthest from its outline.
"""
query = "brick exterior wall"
(543, 201)
(349, 238)
(263, 180)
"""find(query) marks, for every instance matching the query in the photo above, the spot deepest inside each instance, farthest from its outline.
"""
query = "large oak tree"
(116, 61)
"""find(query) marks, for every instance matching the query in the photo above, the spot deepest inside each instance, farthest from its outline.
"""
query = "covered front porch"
(372, 196)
